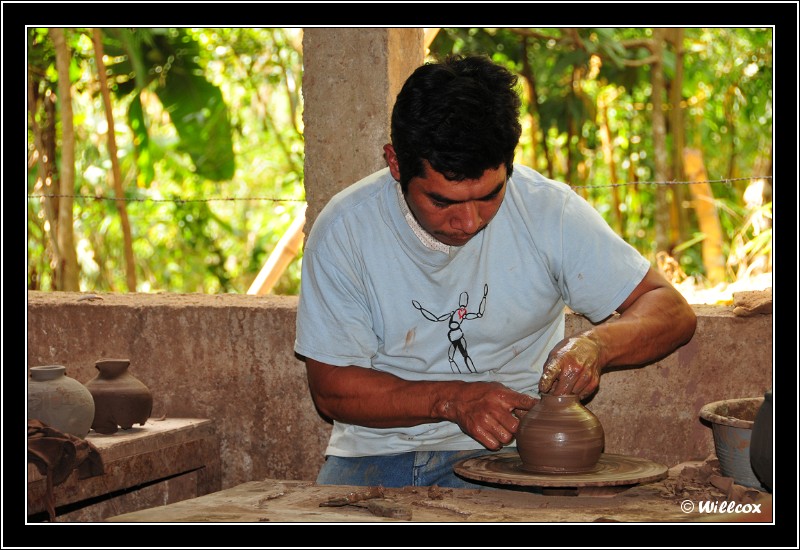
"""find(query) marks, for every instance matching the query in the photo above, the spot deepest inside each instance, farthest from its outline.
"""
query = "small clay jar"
(120, 399)
(560, 436)
(59, 401)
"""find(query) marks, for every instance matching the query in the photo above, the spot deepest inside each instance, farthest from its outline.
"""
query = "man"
(452, 217)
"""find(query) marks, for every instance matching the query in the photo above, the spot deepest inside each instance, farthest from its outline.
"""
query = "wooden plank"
(284, 501)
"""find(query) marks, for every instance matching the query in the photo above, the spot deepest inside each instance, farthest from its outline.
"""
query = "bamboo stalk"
(283, 254)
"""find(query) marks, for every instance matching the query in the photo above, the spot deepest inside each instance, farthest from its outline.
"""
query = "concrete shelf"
(162, 462)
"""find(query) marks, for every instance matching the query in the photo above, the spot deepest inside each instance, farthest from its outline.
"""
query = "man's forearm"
(367, 397)
(653, 326)
(486, 411)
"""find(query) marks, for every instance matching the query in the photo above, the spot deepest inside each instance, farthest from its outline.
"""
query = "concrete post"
(351, 77)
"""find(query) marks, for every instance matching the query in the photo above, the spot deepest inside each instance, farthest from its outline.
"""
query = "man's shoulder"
(527, 176)
(528, 185)
(349, 203)
(363, 190)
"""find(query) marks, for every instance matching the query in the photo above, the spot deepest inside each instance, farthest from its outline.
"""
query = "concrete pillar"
(351, 77)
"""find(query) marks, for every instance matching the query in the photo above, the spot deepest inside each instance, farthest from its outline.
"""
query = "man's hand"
(490, 412)
(573, 367)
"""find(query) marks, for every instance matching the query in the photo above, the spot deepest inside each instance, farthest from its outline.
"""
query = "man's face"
(454, 211)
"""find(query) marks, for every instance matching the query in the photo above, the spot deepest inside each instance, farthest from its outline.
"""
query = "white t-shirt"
(378, 292)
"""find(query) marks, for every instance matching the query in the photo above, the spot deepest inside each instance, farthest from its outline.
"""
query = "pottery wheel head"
(611, 470)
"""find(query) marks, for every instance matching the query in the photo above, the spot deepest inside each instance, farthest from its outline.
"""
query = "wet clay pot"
(560, 436)
(120, 399)
(59, 401)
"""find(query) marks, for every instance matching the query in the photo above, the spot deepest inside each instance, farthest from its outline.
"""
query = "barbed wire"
(727, 181)
(175, 200)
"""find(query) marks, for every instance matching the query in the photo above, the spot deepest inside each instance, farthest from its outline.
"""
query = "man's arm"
(366, 397)
(654, 321)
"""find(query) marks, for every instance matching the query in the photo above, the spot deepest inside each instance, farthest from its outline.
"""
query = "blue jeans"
(420, 468)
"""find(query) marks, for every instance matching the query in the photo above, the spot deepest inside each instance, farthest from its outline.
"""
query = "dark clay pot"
(761, 443)
(120, 399)
(559, 435)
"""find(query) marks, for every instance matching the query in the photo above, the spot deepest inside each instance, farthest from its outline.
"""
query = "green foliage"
(201, 118)
(210, 140)
(726, 107)
(167, 61)
(187, 104)
(140, 139)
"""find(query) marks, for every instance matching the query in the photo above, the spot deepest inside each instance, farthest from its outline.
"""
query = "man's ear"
(391, 160)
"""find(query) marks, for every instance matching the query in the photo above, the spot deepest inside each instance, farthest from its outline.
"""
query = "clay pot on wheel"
(561, 436)
(120, 399)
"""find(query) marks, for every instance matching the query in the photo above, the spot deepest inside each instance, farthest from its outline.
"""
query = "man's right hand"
(489, 412)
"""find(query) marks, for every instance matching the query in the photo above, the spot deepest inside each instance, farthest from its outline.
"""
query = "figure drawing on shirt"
(454, 334)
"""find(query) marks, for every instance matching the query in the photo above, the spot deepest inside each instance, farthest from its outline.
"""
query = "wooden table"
(285, 501)
(162, 462)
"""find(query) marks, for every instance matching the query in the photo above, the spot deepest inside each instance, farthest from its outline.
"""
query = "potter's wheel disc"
(611, 470)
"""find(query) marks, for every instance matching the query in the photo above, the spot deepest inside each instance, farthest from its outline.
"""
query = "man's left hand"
(572, 367)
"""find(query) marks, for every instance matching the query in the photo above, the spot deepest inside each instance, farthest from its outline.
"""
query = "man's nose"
(466, 218)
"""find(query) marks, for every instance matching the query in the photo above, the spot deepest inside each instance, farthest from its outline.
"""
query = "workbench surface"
(280, 501)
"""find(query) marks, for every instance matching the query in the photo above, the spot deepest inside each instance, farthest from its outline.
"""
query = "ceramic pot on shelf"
(560, 435)
(59, 401)
(121, 400)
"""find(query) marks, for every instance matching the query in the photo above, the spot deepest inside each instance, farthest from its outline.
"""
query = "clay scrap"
(704, 481)
(752, 302)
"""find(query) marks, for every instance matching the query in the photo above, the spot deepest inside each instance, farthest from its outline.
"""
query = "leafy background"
(207, 129)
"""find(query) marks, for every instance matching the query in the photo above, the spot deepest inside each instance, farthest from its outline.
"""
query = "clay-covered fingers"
(550, 375)
(504, 430)
(519, 405)
(566, 380)
(573, 366)
(487, 431)
(519, 413)
(574, 380)
(486, 439)
(488, 415)
(585, 384)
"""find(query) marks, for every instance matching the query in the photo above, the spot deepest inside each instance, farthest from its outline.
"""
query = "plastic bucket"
(732, 427)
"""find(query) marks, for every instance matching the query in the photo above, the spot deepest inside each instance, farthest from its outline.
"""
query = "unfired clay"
(560, 435)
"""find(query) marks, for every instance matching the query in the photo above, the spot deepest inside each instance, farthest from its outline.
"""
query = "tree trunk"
(68, 260)
(45, 154)
(659, 142)
(130, 263)
(533, 112)
(707, 218)
(608, 153)
(572, 130)
(677, 130)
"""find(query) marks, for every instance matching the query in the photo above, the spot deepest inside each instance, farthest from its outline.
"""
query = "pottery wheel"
(612, 474)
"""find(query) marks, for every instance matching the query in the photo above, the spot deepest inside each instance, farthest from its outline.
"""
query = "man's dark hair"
(461, 115)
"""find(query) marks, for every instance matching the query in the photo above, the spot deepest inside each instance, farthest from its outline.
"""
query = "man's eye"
(440, 204)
